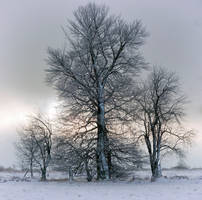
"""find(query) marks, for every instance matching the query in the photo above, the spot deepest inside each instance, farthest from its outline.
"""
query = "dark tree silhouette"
(35, 143)
(159, 112)
(95, 71)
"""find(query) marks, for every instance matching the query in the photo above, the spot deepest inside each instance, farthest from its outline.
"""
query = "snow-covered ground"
(179, 184)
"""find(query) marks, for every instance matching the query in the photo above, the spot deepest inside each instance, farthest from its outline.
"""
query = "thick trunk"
(103, 168)
(98, 165)
(154, 153)
(156, 170)
(43, 174)
(108, 152)
(154, 161)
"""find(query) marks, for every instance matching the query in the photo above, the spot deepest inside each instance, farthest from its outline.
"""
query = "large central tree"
(95, 72)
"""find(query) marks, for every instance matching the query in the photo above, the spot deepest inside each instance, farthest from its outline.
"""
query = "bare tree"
(95, 70)
(26, 150)
(125, 155)
(35, 143)
(42, 132)
(75, 148)
(159, 110)
(77, 156)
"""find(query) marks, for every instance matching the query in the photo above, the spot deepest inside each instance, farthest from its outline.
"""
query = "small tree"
(42, 135)
(74, 155)
(26, 150)
(160, 109)
(35, 143)
(125, 155)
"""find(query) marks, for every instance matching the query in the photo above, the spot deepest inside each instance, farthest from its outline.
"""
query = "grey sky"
(28, 27)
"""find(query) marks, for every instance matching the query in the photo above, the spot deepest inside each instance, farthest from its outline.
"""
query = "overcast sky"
(28, 27)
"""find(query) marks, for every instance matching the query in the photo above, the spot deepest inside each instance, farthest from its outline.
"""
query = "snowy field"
(179, 185)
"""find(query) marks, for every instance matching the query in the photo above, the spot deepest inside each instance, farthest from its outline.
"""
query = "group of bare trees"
(106, 111)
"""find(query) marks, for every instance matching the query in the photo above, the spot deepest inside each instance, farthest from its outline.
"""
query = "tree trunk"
(97, 162)
(103, 168)
(31, 169)
(156, 170)
(70, 174)
(43, 174)
(109, 160)
(88, 172)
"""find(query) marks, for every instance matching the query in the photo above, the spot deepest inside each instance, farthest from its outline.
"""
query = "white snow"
(180, 185)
